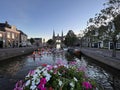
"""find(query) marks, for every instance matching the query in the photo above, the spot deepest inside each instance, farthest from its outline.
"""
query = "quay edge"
(109, 61)
(14, 52)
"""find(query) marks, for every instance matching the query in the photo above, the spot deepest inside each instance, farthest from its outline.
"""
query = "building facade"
(95, 40)
(37, 41)
(9, 36)
(2, 38)
(12, 37)
(23, 39)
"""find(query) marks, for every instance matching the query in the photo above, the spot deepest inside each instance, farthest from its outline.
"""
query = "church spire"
(62, 33)
(53, 34)
(62, 36)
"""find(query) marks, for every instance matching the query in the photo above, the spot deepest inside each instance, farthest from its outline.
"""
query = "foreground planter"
(61, 76)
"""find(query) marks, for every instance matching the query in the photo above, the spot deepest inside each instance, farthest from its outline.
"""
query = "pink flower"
(49, 67)
(72, 63)
(55, 71)
(31, 72)
(87, 85)
(61, 62)
(44, 65)
(41, 86)
(19, 85)
(82, 68)
(43, 81)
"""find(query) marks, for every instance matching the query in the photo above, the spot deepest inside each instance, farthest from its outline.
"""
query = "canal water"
(17, 68)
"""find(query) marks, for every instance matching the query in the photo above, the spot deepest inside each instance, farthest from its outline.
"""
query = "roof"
(22, 32)
(2, 29)
(37, 38)
(2, 25)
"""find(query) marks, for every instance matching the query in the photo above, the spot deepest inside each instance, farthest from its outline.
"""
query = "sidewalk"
(103, 55)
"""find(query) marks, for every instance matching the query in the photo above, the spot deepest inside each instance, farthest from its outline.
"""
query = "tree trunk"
(114, 49)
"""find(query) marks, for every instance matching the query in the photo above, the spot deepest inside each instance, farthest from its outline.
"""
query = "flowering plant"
(60, 76)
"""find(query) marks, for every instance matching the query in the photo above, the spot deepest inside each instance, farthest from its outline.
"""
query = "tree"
(50, 42)
(91, 34)
(32, 40)
(110, 16)
(70, 39)
(112, 12)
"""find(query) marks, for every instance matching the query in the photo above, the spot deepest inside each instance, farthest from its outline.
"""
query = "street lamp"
(117, 44)
(118, 36)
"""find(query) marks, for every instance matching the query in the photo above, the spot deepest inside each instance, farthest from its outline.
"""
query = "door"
(1, 44)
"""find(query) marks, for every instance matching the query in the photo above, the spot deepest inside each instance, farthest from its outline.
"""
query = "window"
(8, 34)
(13, 35)
(1, 38)
(0, 35)
(58, 41)
(16, 35)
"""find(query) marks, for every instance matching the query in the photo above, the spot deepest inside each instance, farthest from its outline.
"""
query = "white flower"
(75, 79)
(37, 71)
(27, 83)
(66, 66)
(32, 87)
(72, 84)
(60, 82)
(55, 66)
(59, 73)
(51, 71)
(48, 76)
(27, 76)
(43, 69)
(37, 81)
(35, 76)
(33, 83)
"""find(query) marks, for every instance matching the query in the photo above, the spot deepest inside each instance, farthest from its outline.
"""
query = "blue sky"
(38, 18)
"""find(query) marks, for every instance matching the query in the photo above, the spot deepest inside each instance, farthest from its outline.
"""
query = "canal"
(17, 68)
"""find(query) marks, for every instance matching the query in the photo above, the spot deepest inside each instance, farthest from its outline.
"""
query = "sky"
(38, 18)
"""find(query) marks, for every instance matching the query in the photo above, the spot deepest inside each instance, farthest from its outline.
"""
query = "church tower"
(62, 36)
(53, 34)
(58, 40)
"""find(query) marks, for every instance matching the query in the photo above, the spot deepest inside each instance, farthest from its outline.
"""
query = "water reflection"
(18, 68)
(69, 57)
(105, 76)
(10, 68)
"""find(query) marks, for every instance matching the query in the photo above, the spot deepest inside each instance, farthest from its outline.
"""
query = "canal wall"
(14, 52)
(100, 57)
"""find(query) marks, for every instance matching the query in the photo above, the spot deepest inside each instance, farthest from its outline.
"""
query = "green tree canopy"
(50, 42)
(70, 38)
(110, 17)
(32, 40)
